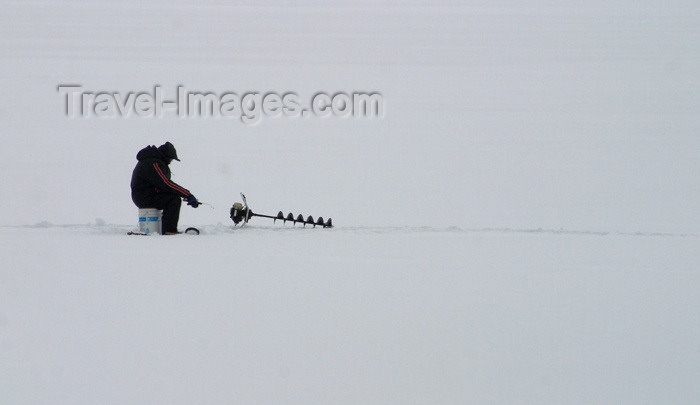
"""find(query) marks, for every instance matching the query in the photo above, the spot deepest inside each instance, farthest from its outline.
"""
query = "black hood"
(150, 152)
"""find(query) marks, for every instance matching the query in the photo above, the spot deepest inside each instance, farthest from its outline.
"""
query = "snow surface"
(520, 227)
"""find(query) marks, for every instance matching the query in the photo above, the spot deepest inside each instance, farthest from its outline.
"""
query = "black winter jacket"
(151, 176)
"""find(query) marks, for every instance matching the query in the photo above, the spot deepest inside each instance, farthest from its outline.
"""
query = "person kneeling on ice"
(151, 186)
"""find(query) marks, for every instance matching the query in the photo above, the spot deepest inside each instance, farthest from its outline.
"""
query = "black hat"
(168, 151)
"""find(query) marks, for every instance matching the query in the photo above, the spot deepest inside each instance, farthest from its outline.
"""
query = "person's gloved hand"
(192, 201)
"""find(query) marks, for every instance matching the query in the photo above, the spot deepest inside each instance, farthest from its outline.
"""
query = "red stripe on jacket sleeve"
(170, 183)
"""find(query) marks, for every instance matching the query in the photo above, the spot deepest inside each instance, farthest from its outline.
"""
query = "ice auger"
(241, 213)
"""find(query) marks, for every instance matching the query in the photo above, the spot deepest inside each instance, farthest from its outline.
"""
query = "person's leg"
(171, 213)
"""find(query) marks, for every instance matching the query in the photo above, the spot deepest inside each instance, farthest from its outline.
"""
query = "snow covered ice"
(520, 226)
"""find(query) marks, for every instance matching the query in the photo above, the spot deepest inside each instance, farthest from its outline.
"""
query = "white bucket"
(150, 221)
